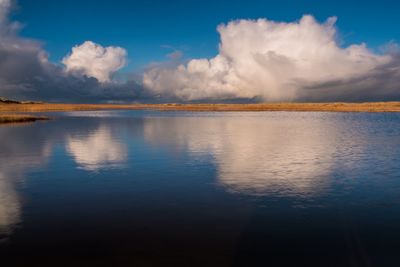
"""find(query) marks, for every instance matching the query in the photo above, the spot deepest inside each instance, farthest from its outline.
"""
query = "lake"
(147, 188)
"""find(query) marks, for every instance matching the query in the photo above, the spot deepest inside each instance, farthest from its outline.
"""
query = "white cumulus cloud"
(279, 61)
(94, 60)
(27, 73)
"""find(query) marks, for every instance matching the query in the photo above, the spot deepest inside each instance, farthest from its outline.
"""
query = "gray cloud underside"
(25, 73)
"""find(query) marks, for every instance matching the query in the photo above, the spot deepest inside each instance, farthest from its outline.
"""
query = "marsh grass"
(19, 118)
(328, 107)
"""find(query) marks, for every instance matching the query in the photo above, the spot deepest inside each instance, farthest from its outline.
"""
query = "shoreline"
(9, 118)
(295, 107)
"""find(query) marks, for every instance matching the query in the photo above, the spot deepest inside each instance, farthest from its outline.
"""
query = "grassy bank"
(18, 118)
(328, 107)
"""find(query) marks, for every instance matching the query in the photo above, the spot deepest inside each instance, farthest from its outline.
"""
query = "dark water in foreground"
(135, 188)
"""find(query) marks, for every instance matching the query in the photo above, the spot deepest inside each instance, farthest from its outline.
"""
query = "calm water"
(140, 188)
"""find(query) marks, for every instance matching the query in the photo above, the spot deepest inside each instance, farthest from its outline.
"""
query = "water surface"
(144, 188)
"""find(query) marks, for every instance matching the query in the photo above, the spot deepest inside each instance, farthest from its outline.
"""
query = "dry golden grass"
(17, 118)
(328, 107)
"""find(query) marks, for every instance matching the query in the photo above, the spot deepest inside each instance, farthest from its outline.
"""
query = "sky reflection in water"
(173, 162)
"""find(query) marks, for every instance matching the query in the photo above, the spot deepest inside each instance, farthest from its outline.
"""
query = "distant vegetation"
(14, 118)
(10, 109)
(10, 104)
(4, 100)
(328, 107)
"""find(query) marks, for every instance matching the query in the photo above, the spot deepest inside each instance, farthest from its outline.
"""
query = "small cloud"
(94, 60)
(175, 55)
(390, 48)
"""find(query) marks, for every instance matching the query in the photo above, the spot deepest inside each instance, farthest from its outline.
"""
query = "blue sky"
(269, 51)
(144, 28)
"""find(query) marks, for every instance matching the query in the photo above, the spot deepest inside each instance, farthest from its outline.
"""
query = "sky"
(146, 28)
(178, 51)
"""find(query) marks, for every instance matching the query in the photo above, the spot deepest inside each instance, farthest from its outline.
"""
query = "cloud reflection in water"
(10, 206)
(97, 150)
(258, 154)
(21, 152)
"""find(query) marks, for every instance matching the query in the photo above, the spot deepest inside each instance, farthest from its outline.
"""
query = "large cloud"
(278, 61)
(95, 61)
